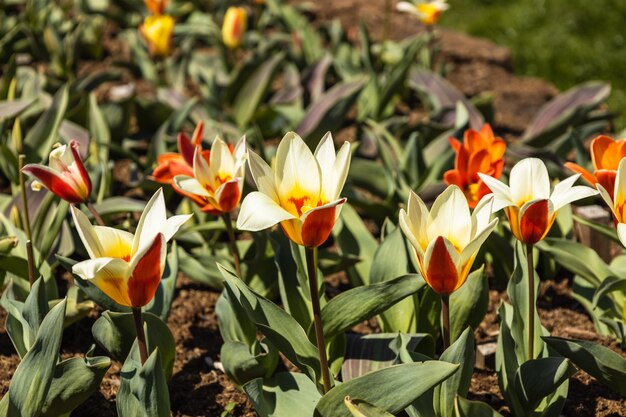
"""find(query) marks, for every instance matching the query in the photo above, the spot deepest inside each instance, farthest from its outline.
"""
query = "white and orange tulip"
(301, 192)
(617, 203)
(427, 11)
(448, 238)
(65, 174)
(529, 205)
(216, 184)
(128, 267)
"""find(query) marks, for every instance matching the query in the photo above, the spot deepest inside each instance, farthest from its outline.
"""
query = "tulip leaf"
(75, 380)
(276, 324)
(115, 205)
(469, 304)
(233, 321)
(357, 304)
(609, 285)
(284, 394)
(42, 135)
(9, 109)
(537, 378)
(460, 352)
(598, 361)
(467, 408)
(33, 377)
(360, 408)
(200, 272)
(391, 389)
(115, 333)
(241, 365)
(143, 389)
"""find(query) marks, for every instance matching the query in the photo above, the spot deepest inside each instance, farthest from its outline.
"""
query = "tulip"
(479, 152)
(234, 26)
(531, 209)
(127, 267)
(65, 174)
(301, 193)
(606, 155)
(172, 164)
(215, 184)
(156, 7)
(427, 11)
(617, 201)
(157, 30)
(529, 205)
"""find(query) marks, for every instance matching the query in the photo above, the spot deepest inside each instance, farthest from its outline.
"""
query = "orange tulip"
(171, 164)
(606, 155)
(480, 151)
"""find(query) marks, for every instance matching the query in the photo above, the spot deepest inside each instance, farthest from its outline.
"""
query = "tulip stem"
(26, 219)
(141, 335)
(233, 243)
(311, 262)
(94, 213)
(445, 320)
(531, 301)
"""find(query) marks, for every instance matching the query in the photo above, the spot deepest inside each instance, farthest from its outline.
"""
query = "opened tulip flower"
(157, 30)
(606, 155)
(234, 26)
(529, 205)
(617, 201)
(172, 164)
(480, 152)
(427, 11)
(65, 174)
(301, 193)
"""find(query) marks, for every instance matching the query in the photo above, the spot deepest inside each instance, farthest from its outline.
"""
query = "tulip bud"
(157, 31)
(234, 26)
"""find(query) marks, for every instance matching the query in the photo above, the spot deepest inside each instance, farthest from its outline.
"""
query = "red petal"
(197, 134)
(185, 148)
(142, 285)
(455, 144)
(229, 196)
(534, 222)
(588, 176)
(317, 226)
(53, 182)
(606, 178)
(441, 274)
(81, 168)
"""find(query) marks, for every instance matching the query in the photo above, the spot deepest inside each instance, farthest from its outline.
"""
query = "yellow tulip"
(234, 26)
(157, 31)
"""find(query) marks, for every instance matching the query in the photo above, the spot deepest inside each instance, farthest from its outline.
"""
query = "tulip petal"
(318, 223)
(262, 175)
(115, 243)
(440, 266)
(172, 224)
(239, 154)
(87, 234)
(53, 182)
(501, 192)
(109, 275)
(259, 211)
(297, 171)
(150, 223)
(146, 273)
(414, 223)
(221, 160)
(80, 168)
(621, 233)
(473, 247)
(535, 219)
(606, 178)
(339, 174)
(619, 195)
(588, 176)
(202, 170)
(450, 217)
(406, 7)
(190, 185)
(482, 213)
(186, 148)
(529, 180)
(564, 193)
(228, 195)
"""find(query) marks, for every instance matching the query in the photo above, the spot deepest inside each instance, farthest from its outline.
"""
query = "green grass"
(565, 42)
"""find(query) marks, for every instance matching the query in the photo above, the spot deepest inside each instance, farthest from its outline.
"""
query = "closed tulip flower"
(301, 193)
(480, 152)
(171, 164)
(234, 26)
(528, 202)
(128, 267)
(427, 11)
(157, 30)
(217, 182)
(65, 174)
(606, 155)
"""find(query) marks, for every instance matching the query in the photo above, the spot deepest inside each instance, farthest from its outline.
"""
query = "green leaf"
(360, 408)
(143, 389)
(75, 380)
(32, 379)
(598, 361)
(357, 304)
(116, 333)
(469, 304)
(241, 365)
(461, 353)
(284, 394)
(391, 389)
(536, 379)
(276, 324)
(42, 135)
(116, 205)
(251, 93)
(233, 321)
(197, 271)
(609, 285)
(53, 229)
(467, 408)
(36, 306)
(9, 109)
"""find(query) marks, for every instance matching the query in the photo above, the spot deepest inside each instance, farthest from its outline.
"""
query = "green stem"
(26, 221)
(311, 262)
(141, 335)
(531, 301)
(445, 320)
(94, 213)
(233, 242)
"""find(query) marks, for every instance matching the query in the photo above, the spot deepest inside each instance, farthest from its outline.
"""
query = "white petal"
(501, 192)
(564, 193)
(262, 175)
(529, 180)
(474, 246)
(325, 153)
(87, 233)
(619, 195)
(621, 233)
(190, 185)
(406, 7)
(221, 160)
(450, 217)
(334, 186)
(101, 268)
(240, 155)
(115, 243)
(259, 211)
(172, 225)
(414, 223)
(482, 214)
(202, 170)
(152, 220)
(297, 170)
(60, 158)
(607, 198)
